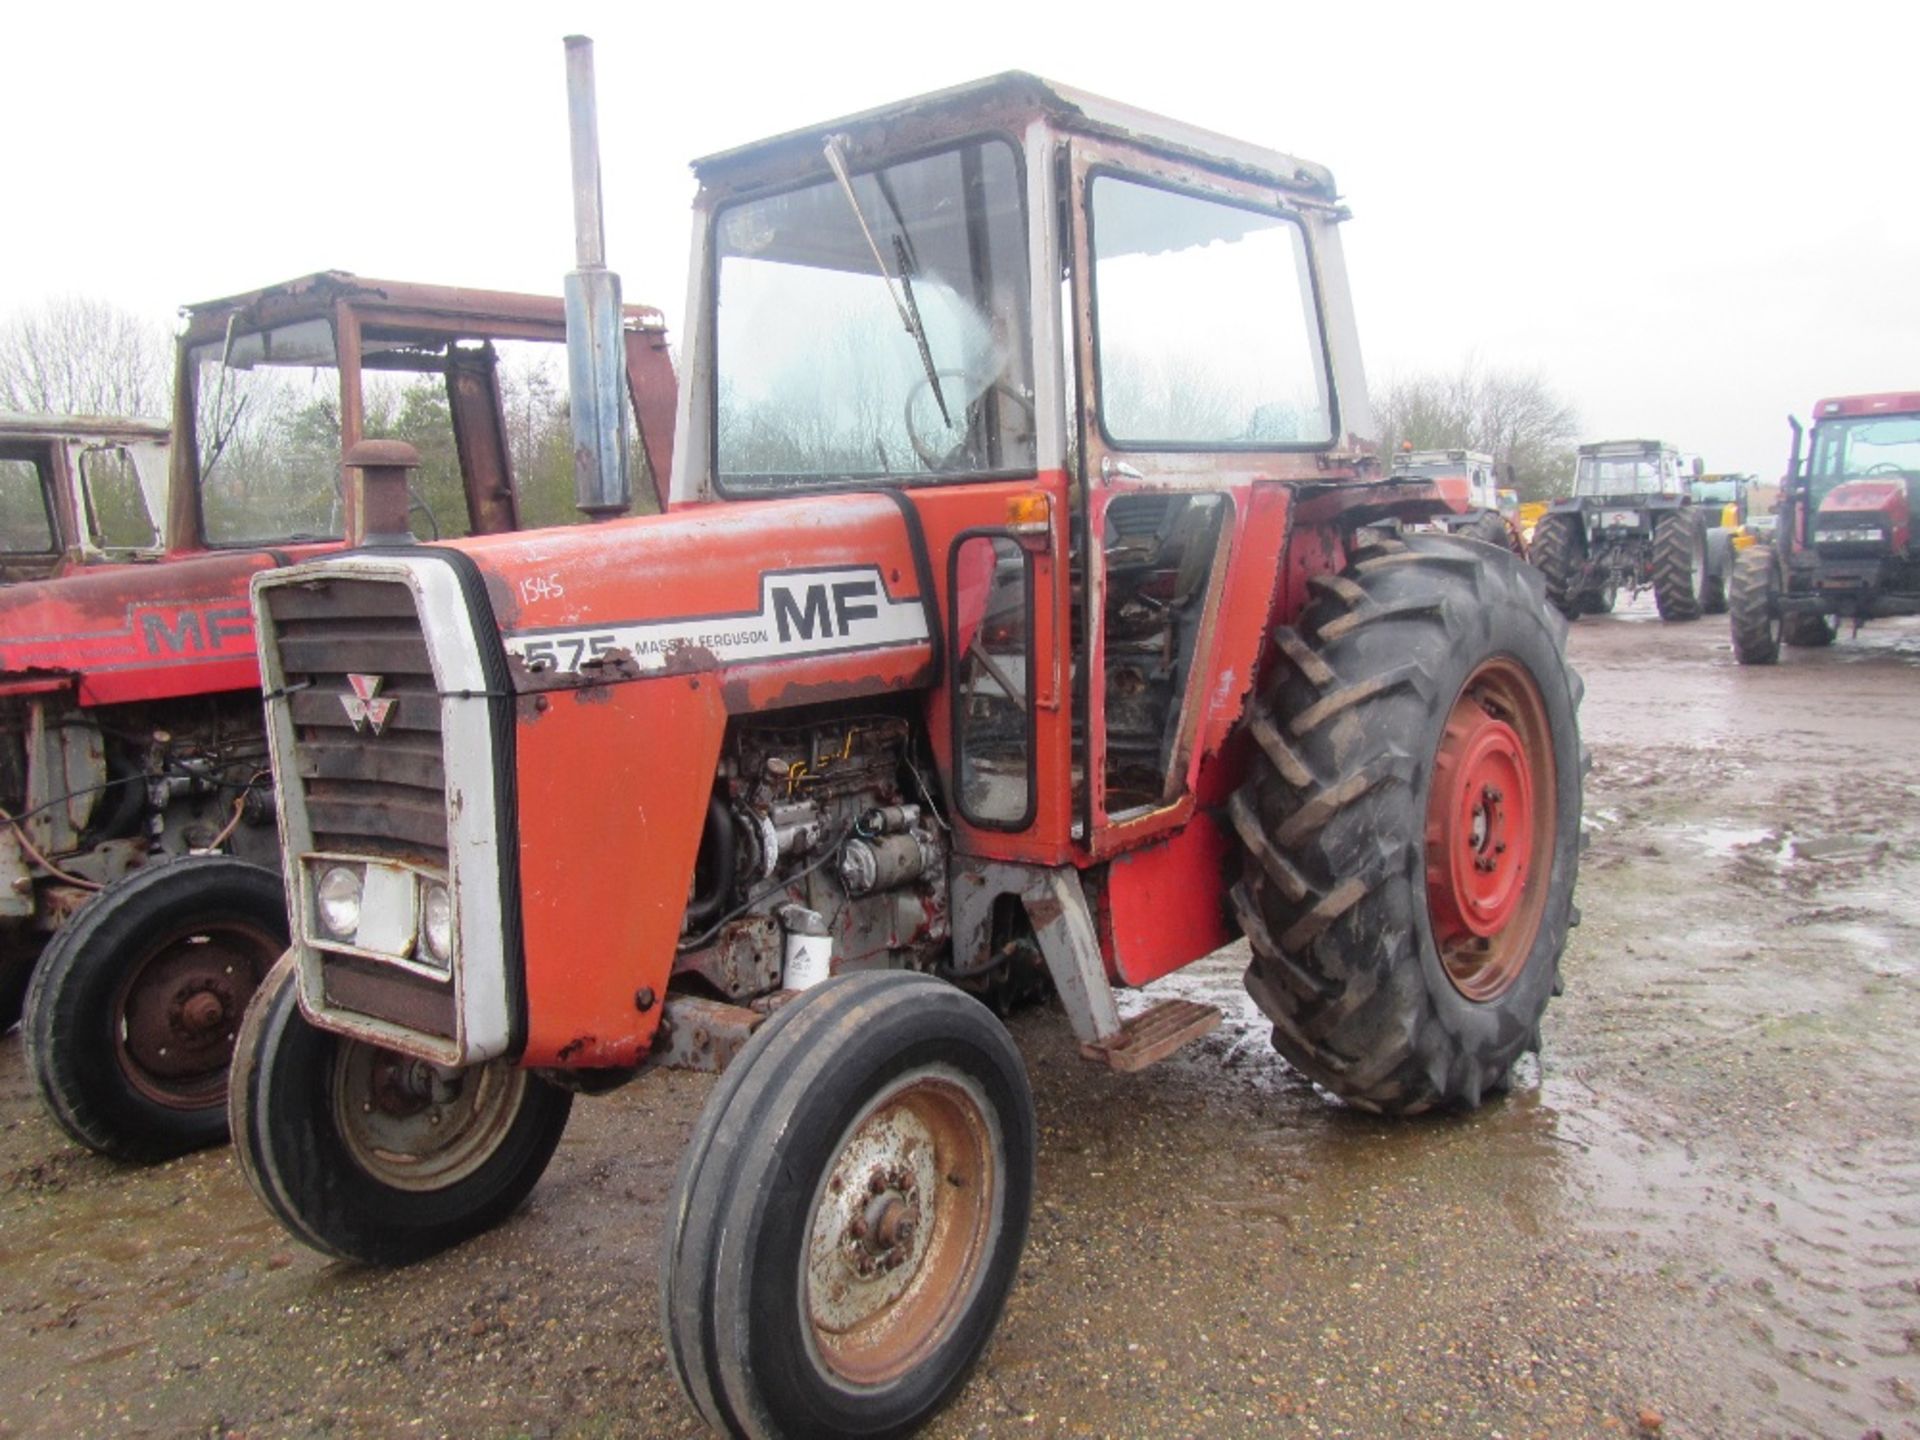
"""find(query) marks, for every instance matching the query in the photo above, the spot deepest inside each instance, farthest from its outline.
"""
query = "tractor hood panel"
(1883, 499)
(793, 600)
(136, 632)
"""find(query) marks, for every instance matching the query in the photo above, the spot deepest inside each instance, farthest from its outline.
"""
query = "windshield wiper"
(908, 309)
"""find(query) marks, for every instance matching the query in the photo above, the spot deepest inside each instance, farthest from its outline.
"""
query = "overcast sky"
(1690, 220)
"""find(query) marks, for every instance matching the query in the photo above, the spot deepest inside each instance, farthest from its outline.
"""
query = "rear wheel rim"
(900, 1228)
(1490, 830)
(177, 1011)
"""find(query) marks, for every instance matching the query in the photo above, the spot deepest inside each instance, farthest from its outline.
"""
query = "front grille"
(366, 793)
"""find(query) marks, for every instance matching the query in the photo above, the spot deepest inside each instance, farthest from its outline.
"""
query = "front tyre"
(1411, 827)
(1754, 607)
(131, 1015)
(369, 1155)
(1808, 630)
(850, 1212)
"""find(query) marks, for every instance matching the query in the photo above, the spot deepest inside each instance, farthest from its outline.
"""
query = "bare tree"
(77, 355)
(1513, 415)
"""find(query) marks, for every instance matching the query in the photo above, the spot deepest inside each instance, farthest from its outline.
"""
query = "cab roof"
(1004, 101)
(1891, 402)
(14, 425)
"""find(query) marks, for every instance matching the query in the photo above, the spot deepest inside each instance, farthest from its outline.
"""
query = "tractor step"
(1154, 1034)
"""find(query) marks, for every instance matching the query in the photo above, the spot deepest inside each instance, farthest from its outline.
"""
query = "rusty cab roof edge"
(1010, 94)
(14, 425)
(317, 293)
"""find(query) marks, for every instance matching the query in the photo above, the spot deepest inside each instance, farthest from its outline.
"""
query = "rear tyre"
(1556, 554)
(368, 1155)
(1410, 827)
(850, 1213)
(1809, 631)
(131, 1015)
(1489, 528)
(1679, 565)
(18, 953)
(1755, 607)
(1713, 599)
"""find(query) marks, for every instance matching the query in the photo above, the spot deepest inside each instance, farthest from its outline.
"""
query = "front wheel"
(850, 1212)
(1754, 607)
(369, 1155)
(1410, 827)
(131, 1015)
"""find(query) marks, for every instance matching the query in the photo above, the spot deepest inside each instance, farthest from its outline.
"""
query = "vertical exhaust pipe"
(596, 354)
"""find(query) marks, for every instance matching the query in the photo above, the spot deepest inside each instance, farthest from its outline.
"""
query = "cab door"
(1203, 384)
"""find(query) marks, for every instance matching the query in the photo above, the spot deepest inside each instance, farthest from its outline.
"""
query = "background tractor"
(79, 490)
(1632, 524)
(1485, 511)
(976, 654)
(130, 722)
(1843, 541)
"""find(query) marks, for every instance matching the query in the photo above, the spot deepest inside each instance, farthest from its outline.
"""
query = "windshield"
(1617, 475)
(267, 423)
(818, 379)
(1856, 449)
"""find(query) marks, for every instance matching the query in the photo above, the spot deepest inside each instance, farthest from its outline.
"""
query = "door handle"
(1110, 467)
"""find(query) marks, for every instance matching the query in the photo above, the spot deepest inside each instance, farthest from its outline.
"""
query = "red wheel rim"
(176, 1013)
(1490, 829)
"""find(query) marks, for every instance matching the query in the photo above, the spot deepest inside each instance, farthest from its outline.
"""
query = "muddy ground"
(1700, 1212)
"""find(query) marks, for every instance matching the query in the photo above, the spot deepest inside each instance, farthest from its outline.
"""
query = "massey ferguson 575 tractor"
(1843, 543)
(130, 724)
(1632, 524)
(1015, 621)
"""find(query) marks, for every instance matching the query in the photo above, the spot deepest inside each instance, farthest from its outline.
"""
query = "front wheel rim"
(1490, 829)
(899, 1233)
(416, 1126)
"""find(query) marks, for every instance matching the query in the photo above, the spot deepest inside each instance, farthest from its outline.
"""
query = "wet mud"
(1698, 1213)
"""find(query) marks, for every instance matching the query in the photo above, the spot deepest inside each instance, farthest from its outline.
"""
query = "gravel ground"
(1699, 1215)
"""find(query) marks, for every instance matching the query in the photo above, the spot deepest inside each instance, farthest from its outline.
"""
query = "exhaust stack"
(596, 353)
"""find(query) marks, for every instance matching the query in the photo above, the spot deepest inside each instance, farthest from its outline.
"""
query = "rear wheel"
(369, 1155)
(1489, 528)
(1679, 565)
(1411, 827)
(131, 1016)
(1755, 607)
(1713, 599)
(1807, 630)
(1556, 554)
(1601, 601)
(18, 952)
(850, 1212)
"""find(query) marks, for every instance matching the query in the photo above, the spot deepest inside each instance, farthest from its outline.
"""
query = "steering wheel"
(929, 456)
(1885, 467)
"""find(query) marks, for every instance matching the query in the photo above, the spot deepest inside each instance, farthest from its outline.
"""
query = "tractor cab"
(1463, 475)
(1863, 476)
(79, 490)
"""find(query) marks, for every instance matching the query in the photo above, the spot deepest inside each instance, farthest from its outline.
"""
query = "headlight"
(337, 899)
(436, 920)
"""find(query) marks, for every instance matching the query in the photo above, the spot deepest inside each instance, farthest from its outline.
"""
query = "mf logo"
(824, 609)
(364, 707)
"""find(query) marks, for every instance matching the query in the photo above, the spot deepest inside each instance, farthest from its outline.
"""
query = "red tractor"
(1017, 621)
(1844, 546)
(78, 490)
(130, 722)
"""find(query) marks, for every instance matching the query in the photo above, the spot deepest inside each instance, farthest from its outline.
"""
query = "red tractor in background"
(78, 490)
(130, 722)
(1844, 546)
(1018, 620)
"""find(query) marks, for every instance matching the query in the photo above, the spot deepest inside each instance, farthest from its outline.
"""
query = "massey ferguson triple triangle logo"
(363, 707)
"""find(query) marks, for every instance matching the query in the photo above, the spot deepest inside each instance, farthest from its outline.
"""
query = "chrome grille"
(367, 792)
